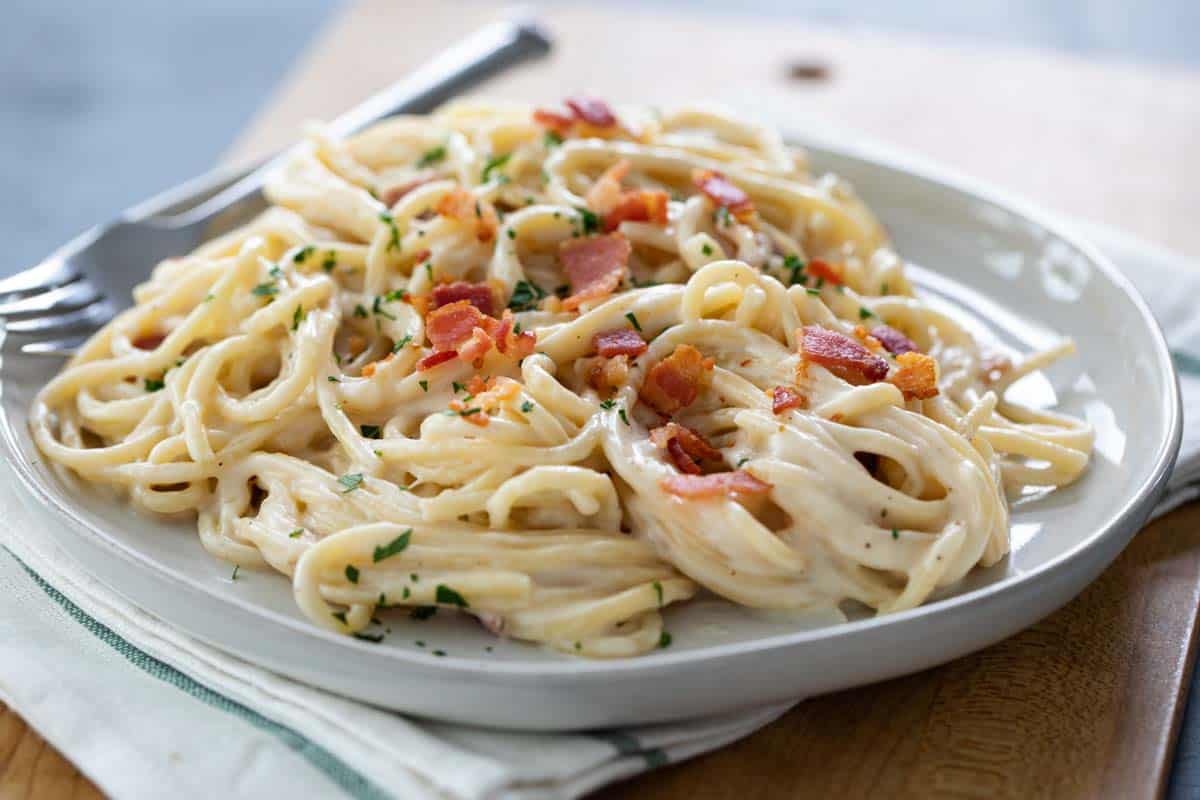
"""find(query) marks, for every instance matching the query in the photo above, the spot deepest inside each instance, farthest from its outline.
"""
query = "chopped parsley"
(406, 593)
(457, 387)
(633, 320)
(439, 653)
(373, 638)
(330, 261)
(895, 533)
(297, 317)
(525, 296)
(707, 249)
(742, 460)
(527, 406)
(377, 308)
(589, 220)
(512, 234)
(795, 268)
(429, 269)
(302, 254)
(658, 591)
(432, 156)
(607, 404)
(621, 414)
(424, 385)
(493, 164)
(423, 612)
(664, 641)
(390, 221)
(360, 311)
(340, 616)
(334, 379)
(398, 346)
(864, 313)
(265, 289)
(814, 292)
(352, 573)
(236, 568)
(153, 385)
(370, 431)
(393, 547)
(296, 534)
(275, 271)
(351, 482)
(552, 139)
(445, 594)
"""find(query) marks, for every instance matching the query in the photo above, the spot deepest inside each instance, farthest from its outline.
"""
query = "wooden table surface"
(1084, 704)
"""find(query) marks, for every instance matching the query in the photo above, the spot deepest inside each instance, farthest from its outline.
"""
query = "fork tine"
(60, 348)
(90, 317)
(55, 301)
(52, 272)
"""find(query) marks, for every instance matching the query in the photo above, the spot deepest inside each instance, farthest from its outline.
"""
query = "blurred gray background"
(105, 103)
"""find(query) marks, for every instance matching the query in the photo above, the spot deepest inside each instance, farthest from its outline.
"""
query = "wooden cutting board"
(1085, 704)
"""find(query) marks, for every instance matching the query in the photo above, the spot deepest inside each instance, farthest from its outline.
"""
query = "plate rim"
(875, 155)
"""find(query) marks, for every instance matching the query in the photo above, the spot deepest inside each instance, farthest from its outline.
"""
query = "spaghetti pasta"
(560, 369)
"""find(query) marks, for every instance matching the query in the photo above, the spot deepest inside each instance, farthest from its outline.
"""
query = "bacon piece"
(476, 417)
(149, 341)
(465, 207)
(621, 342)
(842, 356)
(477, 294)
(784, 398)
(823, 269)
(594, 266)
(434, 359)
(517, 345)
(605, 193)
(723, 192)
(642, 205)
(916, 376)
(893, 340)
(393, 194)
(718, 484)
(684, 447)
(607, 374)
(591, 110)
(450, 325)
(674, 382)
(559, 123)
(476, 346)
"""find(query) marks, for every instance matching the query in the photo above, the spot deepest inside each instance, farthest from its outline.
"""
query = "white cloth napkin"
(146, 711)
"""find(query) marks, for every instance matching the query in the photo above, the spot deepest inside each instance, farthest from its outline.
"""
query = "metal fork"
(84, 283)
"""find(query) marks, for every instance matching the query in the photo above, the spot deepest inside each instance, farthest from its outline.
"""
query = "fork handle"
(484, 53)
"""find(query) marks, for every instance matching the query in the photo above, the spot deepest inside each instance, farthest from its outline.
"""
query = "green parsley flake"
(390, 221)
(895, 533)
(297, 317)
(330, 261)
(527, 406)
(153, 385)
(551, 139)
(432, 156)
(525, 296)
(265, 289)
(373, 638)
(814, 292)
(458, 387)
(393, 547)
(351, 482)
(398, 346)
(352, 573)
(424, 385)
(494, 164)
(707, 249)
(236, 568)
(607, 404)
(334, 379)
(439, 653)
(302, 254)
(633, 320)
(340, 616)
(377, 307)
(589, 220)
(360, 311)
(664, 641)
(795, 268)
(448, 596)
(621, 414)
(658, 591)
(512, 234)
(296, 534)
(406, 593)
(864, 313)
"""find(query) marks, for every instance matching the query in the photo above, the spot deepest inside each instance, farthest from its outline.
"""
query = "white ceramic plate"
(977, 255)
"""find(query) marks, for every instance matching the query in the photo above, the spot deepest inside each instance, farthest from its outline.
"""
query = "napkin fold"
(146, 711)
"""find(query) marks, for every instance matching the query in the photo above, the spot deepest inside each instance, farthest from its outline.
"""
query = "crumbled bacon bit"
(394, 194)
(823, 269)
(149, 341)
(784, 398)
(622, 341)
(479, 295)
(605, 193)
(477, 417)
(450, 325)
(841, 355)
(864, 336)
(465, 207)
(893, 340)
(684, 447)
(476, 347)
(640, 205)
(607, 374)
(559, 123)
(368, 371)
(916, 376)
(717, 484)
(594, 266)
(591, 110)
(674, 382)
(434, 359)
(723, 192)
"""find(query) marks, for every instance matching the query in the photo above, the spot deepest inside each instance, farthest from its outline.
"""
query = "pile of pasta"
(560, 368)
